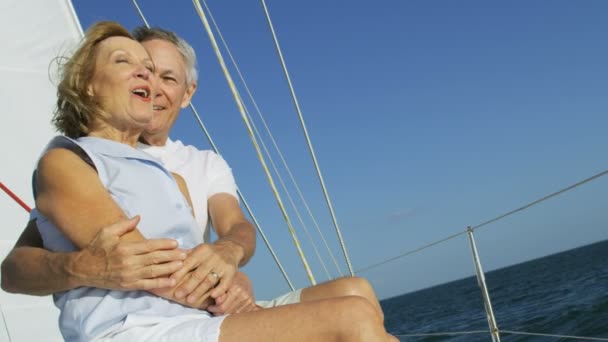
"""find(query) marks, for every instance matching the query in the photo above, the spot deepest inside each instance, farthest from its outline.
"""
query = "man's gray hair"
(143, 34)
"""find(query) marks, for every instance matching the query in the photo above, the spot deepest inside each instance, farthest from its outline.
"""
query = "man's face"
(173, 91)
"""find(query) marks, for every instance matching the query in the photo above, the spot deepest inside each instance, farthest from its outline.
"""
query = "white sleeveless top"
(141, 186)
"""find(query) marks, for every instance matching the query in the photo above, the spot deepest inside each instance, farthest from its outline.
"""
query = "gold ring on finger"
(215, 275)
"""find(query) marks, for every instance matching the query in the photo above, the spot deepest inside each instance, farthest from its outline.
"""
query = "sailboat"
(28, 50)
(33, 33)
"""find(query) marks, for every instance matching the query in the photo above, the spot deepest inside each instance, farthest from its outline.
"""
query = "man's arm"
(105, 263)
(235, 233)
(238, 299)
(30, 269)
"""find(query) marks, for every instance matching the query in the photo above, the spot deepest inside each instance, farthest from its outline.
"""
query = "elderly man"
(109, 263)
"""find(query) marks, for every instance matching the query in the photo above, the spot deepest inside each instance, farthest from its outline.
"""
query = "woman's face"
(124, 82)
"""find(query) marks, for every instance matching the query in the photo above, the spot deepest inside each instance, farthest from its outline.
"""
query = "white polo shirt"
(206, 173)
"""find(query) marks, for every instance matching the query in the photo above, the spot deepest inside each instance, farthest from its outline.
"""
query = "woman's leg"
(350, 318)
(351, 286)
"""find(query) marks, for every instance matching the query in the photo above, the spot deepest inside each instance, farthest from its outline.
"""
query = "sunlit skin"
(70, 192)
(173, 91)
(344, 310)
(329, 312)
(124, 84)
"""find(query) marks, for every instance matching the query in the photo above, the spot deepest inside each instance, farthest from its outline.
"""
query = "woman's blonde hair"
(77, 109)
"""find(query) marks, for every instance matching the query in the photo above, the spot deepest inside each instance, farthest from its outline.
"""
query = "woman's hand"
(208, 269)
(108, 263)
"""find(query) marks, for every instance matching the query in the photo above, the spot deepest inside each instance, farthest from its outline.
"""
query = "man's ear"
(188, 95)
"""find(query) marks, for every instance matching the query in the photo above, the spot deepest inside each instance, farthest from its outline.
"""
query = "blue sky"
(426, 116)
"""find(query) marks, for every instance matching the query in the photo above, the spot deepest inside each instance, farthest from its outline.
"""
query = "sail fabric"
(33, 33)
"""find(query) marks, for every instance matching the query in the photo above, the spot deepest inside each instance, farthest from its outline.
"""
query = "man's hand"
(208, 267)
(108, 263)
(238, 299)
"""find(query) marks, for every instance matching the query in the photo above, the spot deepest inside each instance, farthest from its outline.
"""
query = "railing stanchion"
(481, 281)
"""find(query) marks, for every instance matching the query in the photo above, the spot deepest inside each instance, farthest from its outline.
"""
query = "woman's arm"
(71, 195)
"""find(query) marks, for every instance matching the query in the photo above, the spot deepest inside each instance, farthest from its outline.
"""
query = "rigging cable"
(410, 252)
(234, 91)
(554, 335)
(310, 148)
(278, 150)
(245, 203)
(8, 332)
(293, 205)
(502, 332)
(240, 194)
(586, 180)
(141, 14)
(448, 333)
(529, 205)
(75, 18)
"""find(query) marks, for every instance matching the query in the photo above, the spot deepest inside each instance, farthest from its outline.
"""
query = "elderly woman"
(81, 185)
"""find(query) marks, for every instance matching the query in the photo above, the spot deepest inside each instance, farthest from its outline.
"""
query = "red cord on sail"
(15, 197)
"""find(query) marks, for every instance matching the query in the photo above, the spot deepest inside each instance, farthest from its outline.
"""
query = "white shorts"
(191, 328)
(292, 297)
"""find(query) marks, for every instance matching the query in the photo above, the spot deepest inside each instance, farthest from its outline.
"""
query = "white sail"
(33, 33)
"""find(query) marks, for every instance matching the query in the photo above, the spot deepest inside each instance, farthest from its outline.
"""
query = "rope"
(246, 204)
(271, 136)
(75, 18)
(240, 194)
(293, 205)
(15, 197)
(201, 14)
(141, 15)
(312, 152)
(541, 199)
(554, 335)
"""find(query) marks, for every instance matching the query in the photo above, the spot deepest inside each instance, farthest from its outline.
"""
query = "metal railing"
(494, 330)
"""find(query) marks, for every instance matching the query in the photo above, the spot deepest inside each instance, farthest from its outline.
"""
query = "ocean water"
(561, 294)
